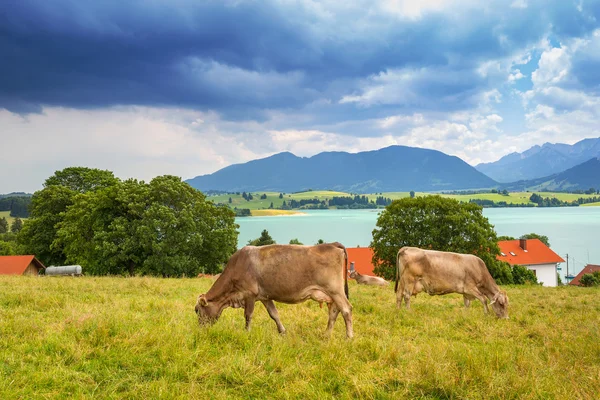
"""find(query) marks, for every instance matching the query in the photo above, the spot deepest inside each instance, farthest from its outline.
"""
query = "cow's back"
(284, 270)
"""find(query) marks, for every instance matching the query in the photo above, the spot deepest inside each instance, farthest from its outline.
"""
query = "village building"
(20, 265)
(533, 254)
(362, 258)
(588, 269)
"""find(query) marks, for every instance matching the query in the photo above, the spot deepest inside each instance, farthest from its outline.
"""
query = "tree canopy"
(437, 223)
(542, 238)
(263, 240)
(49, 204)
(164, 228)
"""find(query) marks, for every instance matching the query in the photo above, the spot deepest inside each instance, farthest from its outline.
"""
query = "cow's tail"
(398, 270)
(341, 246)
(346, 274)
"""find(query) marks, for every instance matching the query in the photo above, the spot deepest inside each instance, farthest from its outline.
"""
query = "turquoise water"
(571, 230)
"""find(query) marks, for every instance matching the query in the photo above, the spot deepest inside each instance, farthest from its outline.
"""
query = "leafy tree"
(589, 280)
(320, 241)
(412, 194)
(295, 241)
(501, 238)
(230, 200)
(3, 225)
(263, 240)
(7, 248)
(49, 204)
(163, 228)
(17, 225)
(434, 222)
(522, 275)
(271, 205)
(281, 195)
(542, 238)
(82, 179)
(263, 196)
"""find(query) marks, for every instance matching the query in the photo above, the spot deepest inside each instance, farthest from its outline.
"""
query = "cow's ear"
(202, 300)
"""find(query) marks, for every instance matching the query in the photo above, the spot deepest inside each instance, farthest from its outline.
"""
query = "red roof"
(16, 265)
(588, 269)
(537, 253)
(362, 259)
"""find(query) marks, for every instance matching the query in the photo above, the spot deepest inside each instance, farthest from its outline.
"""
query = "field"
(9, 219)
(138, 338)
(256, 203)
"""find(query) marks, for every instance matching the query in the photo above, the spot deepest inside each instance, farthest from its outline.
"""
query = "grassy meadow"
(257, 204)
(138, 338)
(9, 219)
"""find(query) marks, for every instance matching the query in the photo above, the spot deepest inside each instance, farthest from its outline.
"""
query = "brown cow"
(285, 273)
(438, 272)
(368, 280)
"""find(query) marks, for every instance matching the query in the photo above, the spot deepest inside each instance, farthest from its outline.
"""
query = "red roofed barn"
(533, 254)
(20, 265)
(588, 269)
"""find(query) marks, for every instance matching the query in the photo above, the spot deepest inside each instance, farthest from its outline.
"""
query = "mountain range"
(541, 161)
(394, 168)
(581, 177)
(402, 168)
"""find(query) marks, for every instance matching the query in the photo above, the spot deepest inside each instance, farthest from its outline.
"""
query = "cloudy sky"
(186, 87)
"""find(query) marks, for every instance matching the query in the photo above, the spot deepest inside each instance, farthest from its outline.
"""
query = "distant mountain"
(581, 177)
(541, 161)
(15, 194)
(394, 168)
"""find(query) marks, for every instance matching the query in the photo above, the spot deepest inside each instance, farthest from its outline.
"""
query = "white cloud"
(515, 76)
(519, 4)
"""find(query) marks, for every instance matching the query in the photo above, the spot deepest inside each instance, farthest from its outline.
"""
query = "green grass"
(257, 203)
(138, 338)
(9, 219)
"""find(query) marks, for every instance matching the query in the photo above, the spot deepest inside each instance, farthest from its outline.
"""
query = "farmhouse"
(362, 259)
(588, 269)
(20, 265)
(533, 254)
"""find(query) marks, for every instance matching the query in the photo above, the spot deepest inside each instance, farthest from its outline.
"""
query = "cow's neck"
(222, 293)
(490, 290)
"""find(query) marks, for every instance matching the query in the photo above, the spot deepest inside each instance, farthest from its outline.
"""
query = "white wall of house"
(545, 273)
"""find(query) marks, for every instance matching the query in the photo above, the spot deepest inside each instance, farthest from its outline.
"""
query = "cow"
(438, 273)
(368, 280)
(284, 273)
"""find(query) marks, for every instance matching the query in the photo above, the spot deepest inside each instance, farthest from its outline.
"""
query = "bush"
(589, 280)
(522, 275)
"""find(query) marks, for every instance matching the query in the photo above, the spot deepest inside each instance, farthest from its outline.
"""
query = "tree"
(263, 196)
(437, 223)
(271, 205)
(412, 194)
(589, 280)
(542, 238)
(164, 228)
(17, 225)
(281, 195)
(49, 204)
(522, 275)
(263, 240)
(7, 248)
(230, 201)
(295, 241)
(3, 225)
(320, 241)
(501, 238)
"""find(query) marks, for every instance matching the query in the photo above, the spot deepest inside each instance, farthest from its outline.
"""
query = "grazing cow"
(438, 272)
(368, 280)
(285, 273)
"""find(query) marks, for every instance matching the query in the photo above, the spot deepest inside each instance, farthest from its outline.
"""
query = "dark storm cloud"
(243, 58)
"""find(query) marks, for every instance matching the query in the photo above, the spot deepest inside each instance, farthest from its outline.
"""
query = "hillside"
(580, 177)
(541, 161)
(394, 168)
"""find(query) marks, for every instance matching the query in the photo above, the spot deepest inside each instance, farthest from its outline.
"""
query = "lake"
(571, 230)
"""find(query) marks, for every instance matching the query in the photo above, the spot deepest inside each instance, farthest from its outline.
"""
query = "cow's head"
(500, 304)
(208, 312)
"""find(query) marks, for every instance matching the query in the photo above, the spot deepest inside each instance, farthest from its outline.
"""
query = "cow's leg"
(248, 311)
(409, 287)
(400, 293)
(274, 314)
(467, 299)
(342, 304)
(482, 299)
(333, 314)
